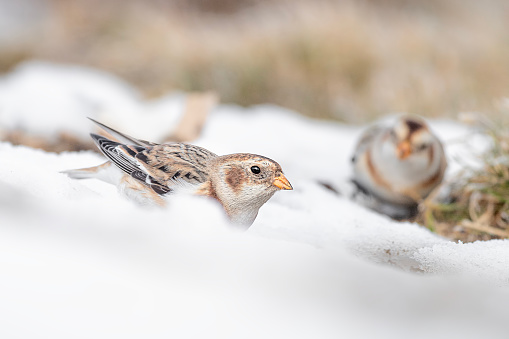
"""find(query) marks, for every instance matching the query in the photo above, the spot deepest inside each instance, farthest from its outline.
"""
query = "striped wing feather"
(161, 166)
(174, 162)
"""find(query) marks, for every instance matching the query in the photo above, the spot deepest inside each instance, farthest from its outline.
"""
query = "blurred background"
(350, 61)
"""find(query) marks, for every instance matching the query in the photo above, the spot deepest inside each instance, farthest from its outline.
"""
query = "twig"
(484, 228)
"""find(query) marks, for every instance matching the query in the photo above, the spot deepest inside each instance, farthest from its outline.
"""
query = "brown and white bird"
(147, 172)
(399, 165)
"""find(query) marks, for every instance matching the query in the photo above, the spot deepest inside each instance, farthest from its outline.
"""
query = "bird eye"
(255, 169)
(422, 147)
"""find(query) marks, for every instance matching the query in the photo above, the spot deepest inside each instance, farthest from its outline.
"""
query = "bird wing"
(176, 162)
(160, 167)
(123, 138)
(366, 138)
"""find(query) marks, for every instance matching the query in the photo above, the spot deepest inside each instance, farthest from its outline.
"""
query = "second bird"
(399, 165)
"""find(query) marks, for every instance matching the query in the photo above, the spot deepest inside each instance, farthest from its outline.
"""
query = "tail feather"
(82, 173)
(105, 172)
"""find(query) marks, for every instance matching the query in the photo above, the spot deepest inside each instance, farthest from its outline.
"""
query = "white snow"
(76, 260)
(44, 99)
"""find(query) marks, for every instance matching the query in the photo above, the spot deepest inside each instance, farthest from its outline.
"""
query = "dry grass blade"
(485, 228)
(476, 206)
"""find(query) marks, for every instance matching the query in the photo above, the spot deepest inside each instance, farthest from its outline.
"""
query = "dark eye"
(422, 147)
(255, 169)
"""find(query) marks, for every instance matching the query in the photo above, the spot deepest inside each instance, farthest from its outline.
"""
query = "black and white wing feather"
(124, 157)
(160, 167)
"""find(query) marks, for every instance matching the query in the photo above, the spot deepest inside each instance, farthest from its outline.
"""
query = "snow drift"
(76, 260)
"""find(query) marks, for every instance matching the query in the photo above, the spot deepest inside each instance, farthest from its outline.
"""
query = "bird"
(147, 173)
(398, 165)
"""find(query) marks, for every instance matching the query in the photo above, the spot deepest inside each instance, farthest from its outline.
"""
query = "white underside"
(400, 175)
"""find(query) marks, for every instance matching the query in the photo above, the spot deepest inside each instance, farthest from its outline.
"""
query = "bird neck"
(242, 208)
(242, 216)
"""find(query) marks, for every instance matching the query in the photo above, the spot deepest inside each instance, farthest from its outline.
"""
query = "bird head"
(410, 136)
(244, 182)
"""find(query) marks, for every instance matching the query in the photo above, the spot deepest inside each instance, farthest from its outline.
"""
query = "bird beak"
(282, 183)
(404, 149)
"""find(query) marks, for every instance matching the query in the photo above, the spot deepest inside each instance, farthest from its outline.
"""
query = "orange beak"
(404, 149)
(282, 183)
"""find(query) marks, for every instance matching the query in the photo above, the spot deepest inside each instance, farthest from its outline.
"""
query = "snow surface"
(76, 260)
(44, 99)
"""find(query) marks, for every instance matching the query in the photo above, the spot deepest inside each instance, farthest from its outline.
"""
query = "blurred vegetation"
(344, 60)
(475, 205)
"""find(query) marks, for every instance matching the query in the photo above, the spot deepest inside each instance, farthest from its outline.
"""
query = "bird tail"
(105, 172)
